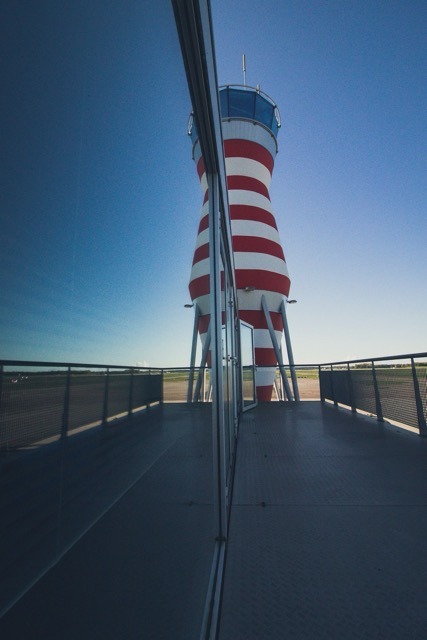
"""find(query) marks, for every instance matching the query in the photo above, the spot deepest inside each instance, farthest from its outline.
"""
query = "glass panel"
(241, 104)
(248, 364)
(264, 112)
(94, 262)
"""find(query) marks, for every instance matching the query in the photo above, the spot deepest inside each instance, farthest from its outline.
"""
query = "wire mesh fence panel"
(175, 384)
(341, 387)
(325, 381)
(421, 371)
(118, 393)
(141, 390)
(155, 386)
(32, 406)
(363, 390)
(87, 391)
(397, 394)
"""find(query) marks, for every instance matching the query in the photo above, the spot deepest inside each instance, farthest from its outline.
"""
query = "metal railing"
(40, 401)
(391, 388)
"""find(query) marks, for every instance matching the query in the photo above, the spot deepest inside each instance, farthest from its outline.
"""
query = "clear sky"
(100, 201)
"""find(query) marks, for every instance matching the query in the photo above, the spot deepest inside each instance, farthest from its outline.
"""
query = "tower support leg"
(289, 350)
(276, 347)
(206, 348)
(193, 353)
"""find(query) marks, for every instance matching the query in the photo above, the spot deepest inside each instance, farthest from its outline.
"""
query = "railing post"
(350, 389)
(322, 395)
(105, 408)
(130, 393)
(380, 416)
(332, 386)
(419, 403)
(66, 409)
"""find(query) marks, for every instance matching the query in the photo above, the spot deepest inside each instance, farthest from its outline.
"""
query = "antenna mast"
(244, 69)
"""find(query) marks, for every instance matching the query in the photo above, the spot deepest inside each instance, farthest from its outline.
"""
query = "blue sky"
(100, 199)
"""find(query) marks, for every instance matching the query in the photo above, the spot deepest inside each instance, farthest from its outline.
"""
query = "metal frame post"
(289, 350)
(322, 395)
(276, 348)
(379, 410)
(218, 418)
(332, 386)
(350, 389)
(418, 401)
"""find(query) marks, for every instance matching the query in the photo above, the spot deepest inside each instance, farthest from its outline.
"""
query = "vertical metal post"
(66, 408)
(379, 410)
(289, 350)
(193, 353)
(218, 425)
(322, 395)
(286, 386)
(419, 403)
(105, 408)
(332, 386)
(350, 388)
(130, 393)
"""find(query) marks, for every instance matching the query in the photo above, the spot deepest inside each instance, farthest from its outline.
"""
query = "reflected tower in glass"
(250, 123)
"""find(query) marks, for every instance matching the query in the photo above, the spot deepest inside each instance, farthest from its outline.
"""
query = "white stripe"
(265, 376)
(249, 198)
(202, 238)
(248, 167)
(203, 303)
(262, 338)
(251, 300)
(255, 229)
(204, 183)
(259, 261)
(249, 130)
(200, 269)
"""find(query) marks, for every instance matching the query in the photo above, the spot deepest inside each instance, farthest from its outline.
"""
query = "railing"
(391, 388)
(40, 401)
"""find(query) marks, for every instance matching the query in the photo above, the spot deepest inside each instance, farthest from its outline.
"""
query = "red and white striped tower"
(250, 122)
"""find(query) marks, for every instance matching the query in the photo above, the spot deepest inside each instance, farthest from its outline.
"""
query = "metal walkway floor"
(328, 528)
(327, 535)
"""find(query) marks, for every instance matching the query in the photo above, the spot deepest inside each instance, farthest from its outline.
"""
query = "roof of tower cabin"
(237, 101)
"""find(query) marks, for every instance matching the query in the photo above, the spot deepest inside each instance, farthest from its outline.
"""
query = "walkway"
(328, 528)
(327, 534)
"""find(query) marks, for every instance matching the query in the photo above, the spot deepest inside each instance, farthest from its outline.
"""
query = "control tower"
(250, 124)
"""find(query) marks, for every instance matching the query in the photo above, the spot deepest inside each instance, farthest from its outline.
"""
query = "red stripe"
(199, 287)
(200, 167)
(263, 393)
(247, 212)
(265, 357)
(201, 253)
(203, 224)
(260, 279)
(257, 319)
(248, 149)
(247, 184)
(257, 245)
(206, 196)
